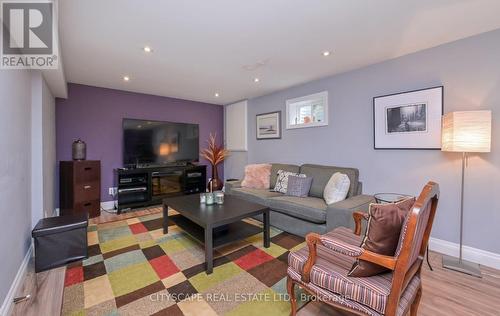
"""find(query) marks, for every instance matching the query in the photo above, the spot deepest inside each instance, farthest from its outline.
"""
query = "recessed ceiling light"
(126, 78)
(147, 49)
(256, 80)
(326, 53)
(216, 94)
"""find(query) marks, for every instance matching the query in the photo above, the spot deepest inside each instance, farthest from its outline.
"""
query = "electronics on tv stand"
(155, 165)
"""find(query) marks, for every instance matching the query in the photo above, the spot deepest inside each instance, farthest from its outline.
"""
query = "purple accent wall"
(95, 116)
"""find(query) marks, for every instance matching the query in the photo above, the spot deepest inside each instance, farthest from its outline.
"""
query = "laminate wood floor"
(46, 290)
(444, 292)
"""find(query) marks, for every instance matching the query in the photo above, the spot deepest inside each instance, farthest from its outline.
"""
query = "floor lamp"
(465, 132)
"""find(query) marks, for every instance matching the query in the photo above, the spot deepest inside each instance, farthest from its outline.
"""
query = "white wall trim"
(108, 205)
(482, 257)
(8, 303)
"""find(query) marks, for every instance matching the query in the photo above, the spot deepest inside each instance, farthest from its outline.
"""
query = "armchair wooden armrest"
(358, 217)
(339, 246)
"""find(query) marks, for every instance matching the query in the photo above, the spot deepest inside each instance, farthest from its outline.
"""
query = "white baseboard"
(108, 205)
(482, 257)
(8, 303)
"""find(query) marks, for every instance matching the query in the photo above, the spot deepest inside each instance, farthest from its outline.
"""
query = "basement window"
(307, 111)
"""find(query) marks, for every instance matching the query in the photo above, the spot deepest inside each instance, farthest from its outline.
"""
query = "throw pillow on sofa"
(298, 186)
(257, 176)
(282, 180)
(337, 188)
(383, 231)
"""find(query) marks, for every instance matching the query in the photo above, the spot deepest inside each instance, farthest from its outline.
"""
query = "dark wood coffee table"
(215, 225)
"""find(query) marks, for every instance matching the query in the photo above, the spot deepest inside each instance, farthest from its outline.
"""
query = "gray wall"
(15, 173)
(27, 170)
(43, 149)
(49, 150)
(469, 69)
(36, 148)
(234, 165)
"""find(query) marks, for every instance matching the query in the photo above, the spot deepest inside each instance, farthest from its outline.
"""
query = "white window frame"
(292, 104)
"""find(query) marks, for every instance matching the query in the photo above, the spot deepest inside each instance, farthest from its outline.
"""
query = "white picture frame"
(307, 111)
(408, 120)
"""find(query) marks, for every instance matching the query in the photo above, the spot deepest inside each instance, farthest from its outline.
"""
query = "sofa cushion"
(321, 175)
(257, 176)
(337, 188)
(255, 195)
(298, 186)
(309, 208)
(282, 180)
(382, 234)
(278, 166)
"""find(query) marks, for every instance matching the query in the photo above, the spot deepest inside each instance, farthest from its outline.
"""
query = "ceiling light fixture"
(126, 78)
(326, 53)
(256, 80)
(216, 94)
(147, 49)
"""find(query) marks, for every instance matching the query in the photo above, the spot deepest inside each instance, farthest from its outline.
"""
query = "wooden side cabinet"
(80, 187)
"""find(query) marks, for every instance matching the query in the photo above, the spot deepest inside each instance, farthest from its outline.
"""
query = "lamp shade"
(467, 131)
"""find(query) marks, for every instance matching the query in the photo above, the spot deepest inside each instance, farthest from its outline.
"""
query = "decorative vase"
(79, 150)
(215, 184)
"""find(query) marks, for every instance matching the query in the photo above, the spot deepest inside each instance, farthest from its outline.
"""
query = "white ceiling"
(202, 47)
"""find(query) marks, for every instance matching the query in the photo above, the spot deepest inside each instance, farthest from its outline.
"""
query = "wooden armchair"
(321, 267)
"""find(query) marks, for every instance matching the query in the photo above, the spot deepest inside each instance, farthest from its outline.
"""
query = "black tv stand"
(149, 185)
(153, 165)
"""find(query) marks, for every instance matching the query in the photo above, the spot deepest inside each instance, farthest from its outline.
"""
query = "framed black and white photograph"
(408, 120)
(269, 125)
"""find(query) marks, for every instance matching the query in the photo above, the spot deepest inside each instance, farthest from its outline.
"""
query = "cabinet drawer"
(87, 191)
(87, 171)
(93, 208)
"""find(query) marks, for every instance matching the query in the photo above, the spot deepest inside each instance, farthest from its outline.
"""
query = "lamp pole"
(459, 264)
(464, 165)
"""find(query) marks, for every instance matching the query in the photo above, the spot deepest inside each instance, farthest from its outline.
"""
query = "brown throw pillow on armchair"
(385, 222)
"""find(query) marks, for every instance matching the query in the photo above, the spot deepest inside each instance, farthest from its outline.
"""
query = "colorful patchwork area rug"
(134, 269)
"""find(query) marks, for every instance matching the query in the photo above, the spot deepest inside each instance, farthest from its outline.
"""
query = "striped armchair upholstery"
(321, 268)
(330, 274)
(333, 298)
(417, 237)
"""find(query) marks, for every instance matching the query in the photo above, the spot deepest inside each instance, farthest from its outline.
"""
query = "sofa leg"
(416, 302)
(291, 292)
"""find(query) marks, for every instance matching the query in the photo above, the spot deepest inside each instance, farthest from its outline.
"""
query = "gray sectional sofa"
(300, 216)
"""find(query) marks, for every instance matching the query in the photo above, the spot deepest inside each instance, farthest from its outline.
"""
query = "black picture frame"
(441, 87)
(278, 130)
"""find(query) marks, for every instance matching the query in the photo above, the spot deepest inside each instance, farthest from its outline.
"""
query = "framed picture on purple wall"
(408, 120)
(268, 125)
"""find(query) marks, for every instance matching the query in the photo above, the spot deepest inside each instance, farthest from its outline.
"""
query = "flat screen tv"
(147, 142)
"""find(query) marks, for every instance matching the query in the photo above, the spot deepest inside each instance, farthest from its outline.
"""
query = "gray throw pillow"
(282, 180)
(299, 186)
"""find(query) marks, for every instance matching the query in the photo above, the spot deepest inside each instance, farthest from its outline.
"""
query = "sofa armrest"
(360, 188)
(340, 213)
(230, 185)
